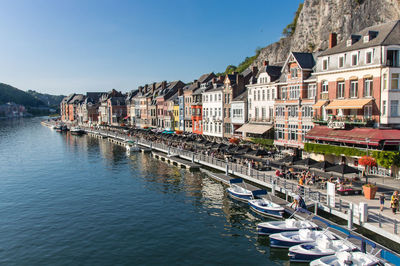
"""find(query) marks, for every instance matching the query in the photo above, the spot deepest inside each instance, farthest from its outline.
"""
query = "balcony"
(348, 120)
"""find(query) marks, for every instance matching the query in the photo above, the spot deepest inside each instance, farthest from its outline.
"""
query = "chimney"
(254, 70)
(265, 63)
(140, 89)
(164, 84)
(153, 87)
(180, 91)
(332, 39)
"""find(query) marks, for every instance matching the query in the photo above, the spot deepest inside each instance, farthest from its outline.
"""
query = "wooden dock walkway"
(175, 161)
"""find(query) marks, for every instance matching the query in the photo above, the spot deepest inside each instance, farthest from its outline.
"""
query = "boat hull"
(240, 197)
(271, 212)
(299, 257)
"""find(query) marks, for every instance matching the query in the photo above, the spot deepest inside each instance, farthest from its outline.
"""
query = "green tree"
(290, 29)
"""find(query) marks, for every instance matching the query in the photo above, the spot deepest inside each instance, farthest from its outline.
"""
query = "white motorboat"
(347, 258)
(237, 192)
(76, 131)
(272, 227)
(292, 238)
(266, 208)
(320, 248)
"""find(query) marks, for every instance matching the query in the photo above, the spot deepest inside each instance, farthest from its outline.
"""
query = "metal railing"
(286, 186)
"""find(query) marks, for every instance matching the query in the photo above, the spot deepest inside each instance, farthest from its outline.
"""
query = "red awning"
(363, 136)
(126, 117)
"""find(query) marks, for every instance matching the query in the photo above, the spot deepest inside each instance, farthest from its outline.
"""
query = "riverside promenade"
(355, 209)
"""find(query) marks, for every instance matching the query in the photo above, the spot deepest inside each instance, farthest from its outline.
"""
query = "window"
(283, 93)
(215, 97)
(392, 58)
(280, 111)
(304, 130)
(384, 81)
(368, 57)
(259, 95)
(219, 112)
(384, 108)
(268, 95)
(324, 90)
(263, 95)
(368, 88)
(341, 61)
(263, 113)
(293, 72)
(354, 59)
(256, 112)
(293, 111)
(294, 92)
(394, 108)
(395, 81)
(368, 111)
(353, 89)
(340, 89)
(293, 132)
(311, 91)
(325, 64)
(306, 111)
(280, 131)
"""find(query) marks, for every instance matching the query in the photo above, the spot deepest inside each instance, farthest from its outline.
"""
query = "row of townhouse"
(350, 91)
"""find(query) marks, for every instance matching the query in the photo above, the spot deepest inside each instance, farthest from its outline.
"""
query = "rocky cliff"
(320, 17)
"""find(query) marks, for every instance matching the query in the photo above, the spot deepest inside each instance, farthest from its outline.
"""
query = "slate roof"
(305, 60)
(117, 100)
(272, 70)
(218, 87)
(78, 98)
(241, 97)
(388, 33)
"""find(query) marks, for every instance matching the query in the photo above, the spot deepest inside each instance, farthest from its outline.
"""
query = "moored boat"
(292, 238)
(237, 192)
(266, 208)
(320, 248)
(347, 258)
(273, 227)
(76, 131)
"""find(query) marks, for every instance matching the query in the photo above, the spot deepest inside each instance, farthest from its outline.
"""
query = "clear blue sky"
(64, 46)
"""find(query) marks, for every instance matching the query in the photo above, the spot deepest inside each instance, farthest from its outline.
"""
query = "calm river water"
(68, 200)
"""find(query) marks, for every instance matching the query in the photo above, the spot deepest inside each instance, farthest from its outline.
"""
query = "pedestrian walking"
(394, 202)
(382, 201)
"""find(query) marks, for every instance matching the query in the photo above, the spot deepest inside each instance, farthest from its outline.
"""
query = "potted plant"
(369, 191)
(367, 162)
(234, 140)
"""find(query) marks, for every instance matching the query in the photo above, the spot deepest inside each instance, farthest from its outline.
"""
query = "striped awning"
(348, 104)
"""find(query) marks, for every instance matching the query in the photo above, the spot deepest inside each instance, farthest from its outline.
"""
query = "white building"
(261, 99)
(212, 112)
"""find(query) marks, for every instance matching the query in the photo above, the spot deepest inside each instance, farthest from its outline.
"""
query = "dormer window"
(325, 64)
(349, 43)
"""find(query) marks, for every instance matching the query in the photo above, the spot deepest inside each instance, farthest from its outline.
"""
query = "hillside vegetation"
(48, 99)
(10, 94)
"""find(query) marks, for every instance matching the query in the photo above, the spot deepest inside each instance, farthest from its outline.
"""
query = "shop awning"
(363, 136)
(348, 104)
(319, 104)
(254, 128)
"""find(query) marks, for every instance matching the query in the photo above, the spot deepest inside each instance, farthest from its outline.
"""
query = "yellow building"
(176, 116)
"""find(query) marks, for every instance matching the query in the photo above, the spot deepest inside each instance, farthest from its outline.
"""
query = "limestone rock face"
(318, 18)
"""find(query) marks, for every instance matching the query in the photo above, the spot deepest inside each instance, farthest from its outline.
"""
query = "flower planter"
(369, 192)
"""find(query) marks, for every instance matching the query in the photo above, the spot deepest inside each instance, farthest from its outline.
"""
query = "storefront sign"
(336, 124)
